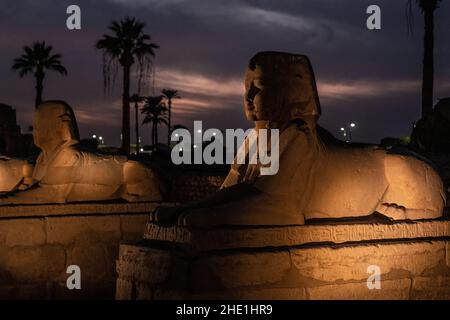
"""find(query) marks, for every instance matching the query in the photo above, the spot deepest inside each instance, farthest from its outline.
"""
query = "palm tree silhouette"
(155, 113)
(36, 60)
(170, 94)
(427, 7)
(137, 99)
(128, 43)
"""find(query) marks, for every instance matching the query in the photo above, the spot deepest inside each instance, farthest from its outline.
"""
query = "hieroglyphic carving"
(223, 238)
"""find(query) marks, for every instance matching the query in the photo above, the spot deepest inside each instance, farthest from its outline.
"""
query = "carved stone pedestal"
(320, 261)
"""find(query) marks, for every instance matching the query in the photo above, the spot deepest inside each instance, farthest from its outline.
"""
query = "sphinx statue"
(65, 171)
(317, 179)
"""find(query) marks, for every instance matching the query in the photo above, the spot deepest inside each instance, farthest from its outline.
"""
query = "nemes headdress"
(61, 111)
(295, 67)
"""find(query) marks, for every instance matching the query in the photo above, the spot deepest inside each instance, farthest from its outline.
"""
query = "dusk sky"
(370, 77)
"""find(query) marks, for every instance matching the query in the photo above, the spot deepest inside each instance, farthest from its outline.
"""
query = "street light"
(347, 131)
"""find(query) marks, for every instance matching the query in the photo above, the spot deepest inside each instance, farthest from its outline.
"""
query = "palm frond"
(38, 57)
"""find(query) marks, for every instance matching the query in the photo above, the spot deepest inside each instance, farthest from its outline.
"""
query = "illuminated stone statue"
(15, 174)
(67, 172)
(315, 179)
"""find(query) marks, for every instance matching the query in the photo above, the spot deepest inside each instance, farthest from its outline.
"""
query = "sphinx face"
(261, 95)
(41, 132)
(47, 128)
(275, 95)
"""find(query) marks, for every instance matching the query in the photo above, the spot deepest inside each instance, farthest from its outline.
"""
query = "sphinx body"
(67, 172)
(14, 174)
(73, 174)
(315, 180)
(318, 180)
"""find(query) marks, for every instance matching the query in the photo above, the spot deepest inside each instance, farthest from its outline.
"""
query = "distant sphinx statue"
(315, 180)
(67, 172)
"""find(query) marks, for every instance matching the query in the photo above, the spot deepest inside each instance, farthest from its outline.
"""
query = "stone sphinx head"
(280, 87)
(54, 124)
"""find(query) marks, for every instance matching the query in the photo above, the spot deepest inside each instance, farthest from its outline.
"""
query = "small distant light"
(352, 125)
(199, 131)
(195, 146)
(342, 129)
(94, 136)
(181, 149)
(214, 133)
(101, 138)
(345, 134)
(176, 134)
(142, 149)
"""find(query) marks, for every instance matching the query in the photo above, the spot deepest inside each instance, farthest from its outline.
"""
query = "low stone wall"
(38, 243)
(323, 261)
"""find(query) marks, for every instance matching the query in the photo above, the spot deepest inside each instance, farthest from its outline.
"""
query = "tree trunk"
(153, 136)
(156, 135)
(137, 128)
(428, 64)
(39, 88)
(169, 124)
(126, 110)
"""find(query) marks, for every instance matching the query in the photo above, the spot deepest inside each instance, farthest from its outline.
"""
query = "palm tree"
(428, 7)
(37, 59)
(128, 42)
(137, 99)
(155, 113)
(170, 94)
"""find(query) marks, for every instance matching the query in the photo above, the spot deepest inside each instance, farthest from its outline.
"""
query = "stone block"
(346, 263)
(256, 294)
(398, 289)
(33, 264)
(133, 226)
(144, 291)
(144, 264)
(428, 288)
(447, 254)
(244, 269)
(91, 259)
(22, 232)
(111, 255)
(125, 289)
(36, 291)
(169, 294)
(85, 229)
(90, 290)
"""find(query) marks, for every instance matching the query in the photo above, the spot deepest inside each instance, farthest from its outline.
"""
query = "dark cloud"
(371, 77)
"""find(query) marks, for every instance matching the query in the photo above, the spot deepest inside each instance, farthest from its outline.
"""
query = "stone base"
(321, 261)
(39, 242)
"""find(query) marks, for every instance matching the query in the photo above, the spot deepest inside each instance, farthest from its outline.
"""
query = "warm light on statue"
(65, 171)
(14, 174)
(316, 179)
